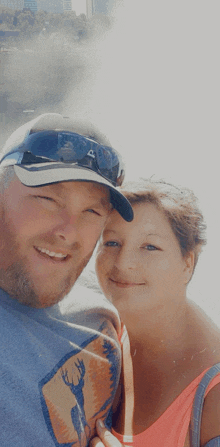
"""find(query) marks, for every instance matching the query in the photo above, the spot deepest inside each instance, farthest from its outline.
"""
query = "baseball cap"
(52, 148)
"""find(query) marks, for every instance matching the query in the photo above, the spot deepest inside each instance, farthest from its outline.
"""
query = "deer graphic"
(77, 412)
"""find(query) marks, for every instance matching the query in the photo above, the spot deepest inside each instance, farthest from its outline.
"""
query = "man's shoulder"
(60, 366)
(84, 304)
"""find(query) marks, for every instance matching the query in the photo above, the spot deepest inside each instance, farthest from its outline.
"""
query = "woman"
(144, 267)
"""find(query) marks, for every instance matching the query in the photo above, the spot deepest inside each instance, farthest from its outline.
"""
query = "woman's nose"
(126, 259)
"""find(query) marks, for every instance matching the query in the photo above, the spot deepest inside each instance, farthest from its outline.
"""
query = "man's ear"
(189, 260)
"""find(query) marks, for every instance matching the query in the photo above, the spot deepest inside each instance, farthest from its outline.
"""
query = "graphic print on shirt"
(80, 389)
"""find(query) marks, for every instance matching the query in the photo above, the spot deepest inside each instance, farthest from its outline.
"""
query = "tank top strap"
(196, 417)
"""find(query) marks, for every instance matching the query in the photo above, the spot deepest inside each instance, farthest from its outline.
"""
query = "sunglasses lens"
(109, 164)
(106, 158)
(71, 147)
(41, 145)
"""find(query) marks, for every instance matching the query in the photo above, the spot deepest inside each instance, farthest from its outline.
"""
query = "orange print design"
(80, 391)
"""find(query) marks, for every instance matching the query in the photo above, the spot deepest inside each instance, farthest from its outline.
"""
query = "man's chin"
(28, 290)
(20, 286)
(43, 300)
(39, 299)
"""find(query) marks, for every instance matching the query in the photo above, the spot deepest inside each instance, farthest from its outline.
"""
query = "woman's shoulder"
(210, 425)
(203, 336)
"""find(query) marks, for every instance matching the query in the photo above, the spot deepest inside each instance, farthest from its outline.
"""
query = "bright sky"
(79, 6)
(156, 94)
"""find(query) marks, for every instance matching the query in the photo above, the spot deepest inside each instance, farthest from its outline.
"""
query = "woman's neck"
(158, 332)
(180, 336)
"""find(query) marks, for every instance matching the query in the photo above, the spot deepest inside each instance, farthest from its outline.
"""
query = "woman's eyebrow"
(106, 230)
(152, 234)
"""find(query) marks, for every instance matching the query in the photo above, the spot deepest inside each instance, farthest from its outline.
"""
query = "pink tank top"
(171, 428)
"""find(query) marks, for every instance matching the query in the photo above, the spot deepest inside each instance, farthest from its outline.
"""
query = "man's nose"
(67, 228)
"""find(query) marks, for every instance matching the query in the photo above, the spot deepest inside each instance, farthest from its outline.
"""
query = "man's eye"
(93, 212)
(46, 198)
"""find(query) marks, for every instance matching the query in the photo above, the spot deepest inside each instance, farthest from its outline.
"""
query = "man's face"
(48, 235)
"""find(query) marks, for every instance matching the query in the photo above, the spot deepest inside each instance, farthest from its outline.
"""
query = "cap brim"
(44, 174)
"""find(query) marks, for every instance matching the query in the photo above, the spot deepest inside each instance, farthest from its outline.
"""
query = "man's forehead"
(91, 193)
(87, 189)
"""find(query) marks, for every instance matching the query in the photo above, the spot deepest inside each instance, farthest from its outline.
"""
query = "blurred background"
(147, 73)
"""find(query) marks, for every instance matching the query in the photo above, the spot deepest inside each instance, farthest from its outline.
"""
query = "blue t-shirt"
(59, 370)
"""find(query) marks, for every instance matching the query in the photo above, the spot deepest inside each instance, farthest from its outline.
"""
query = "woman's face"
(139, 264)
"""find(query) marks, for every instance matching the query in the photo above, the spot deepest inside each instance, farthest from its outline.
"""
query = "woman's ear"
(189, 260)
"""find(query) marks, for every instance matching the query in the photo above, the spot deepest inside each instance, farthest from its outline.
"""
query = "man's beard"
(17, 282)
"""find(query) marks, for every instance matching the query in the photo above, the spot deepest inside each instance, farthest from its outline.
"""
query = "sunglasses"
(69, 147)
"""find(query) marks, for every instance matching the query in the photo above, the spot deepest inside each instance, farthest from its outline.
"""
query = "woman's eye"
(150, 247)
(111, 244)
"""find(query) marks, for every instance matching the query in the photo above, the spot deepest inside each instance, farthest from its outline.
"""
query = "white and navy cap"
(52, 148)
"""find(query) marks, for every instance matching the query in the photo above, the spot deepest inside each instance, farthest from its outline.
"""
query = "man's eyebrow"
(55, 188)
(104, 203)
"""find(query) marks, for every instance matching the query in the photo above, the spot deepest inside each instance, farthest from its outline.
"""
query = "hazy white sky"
(79, 6)
(157, 96)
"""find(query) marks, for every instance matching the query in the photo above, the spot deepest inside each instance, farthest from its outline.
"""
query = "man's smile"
(57, 255)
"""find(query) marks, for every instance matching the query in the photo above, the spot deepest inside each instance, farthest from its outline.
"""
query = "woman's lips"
(123, 284)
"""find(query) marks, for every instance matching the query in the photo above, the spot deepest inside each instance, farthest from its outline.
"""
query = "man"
(60, 357)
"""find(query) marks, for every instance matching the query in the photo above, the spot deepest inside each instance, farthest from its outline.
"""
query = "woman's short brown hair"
(180, 206)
